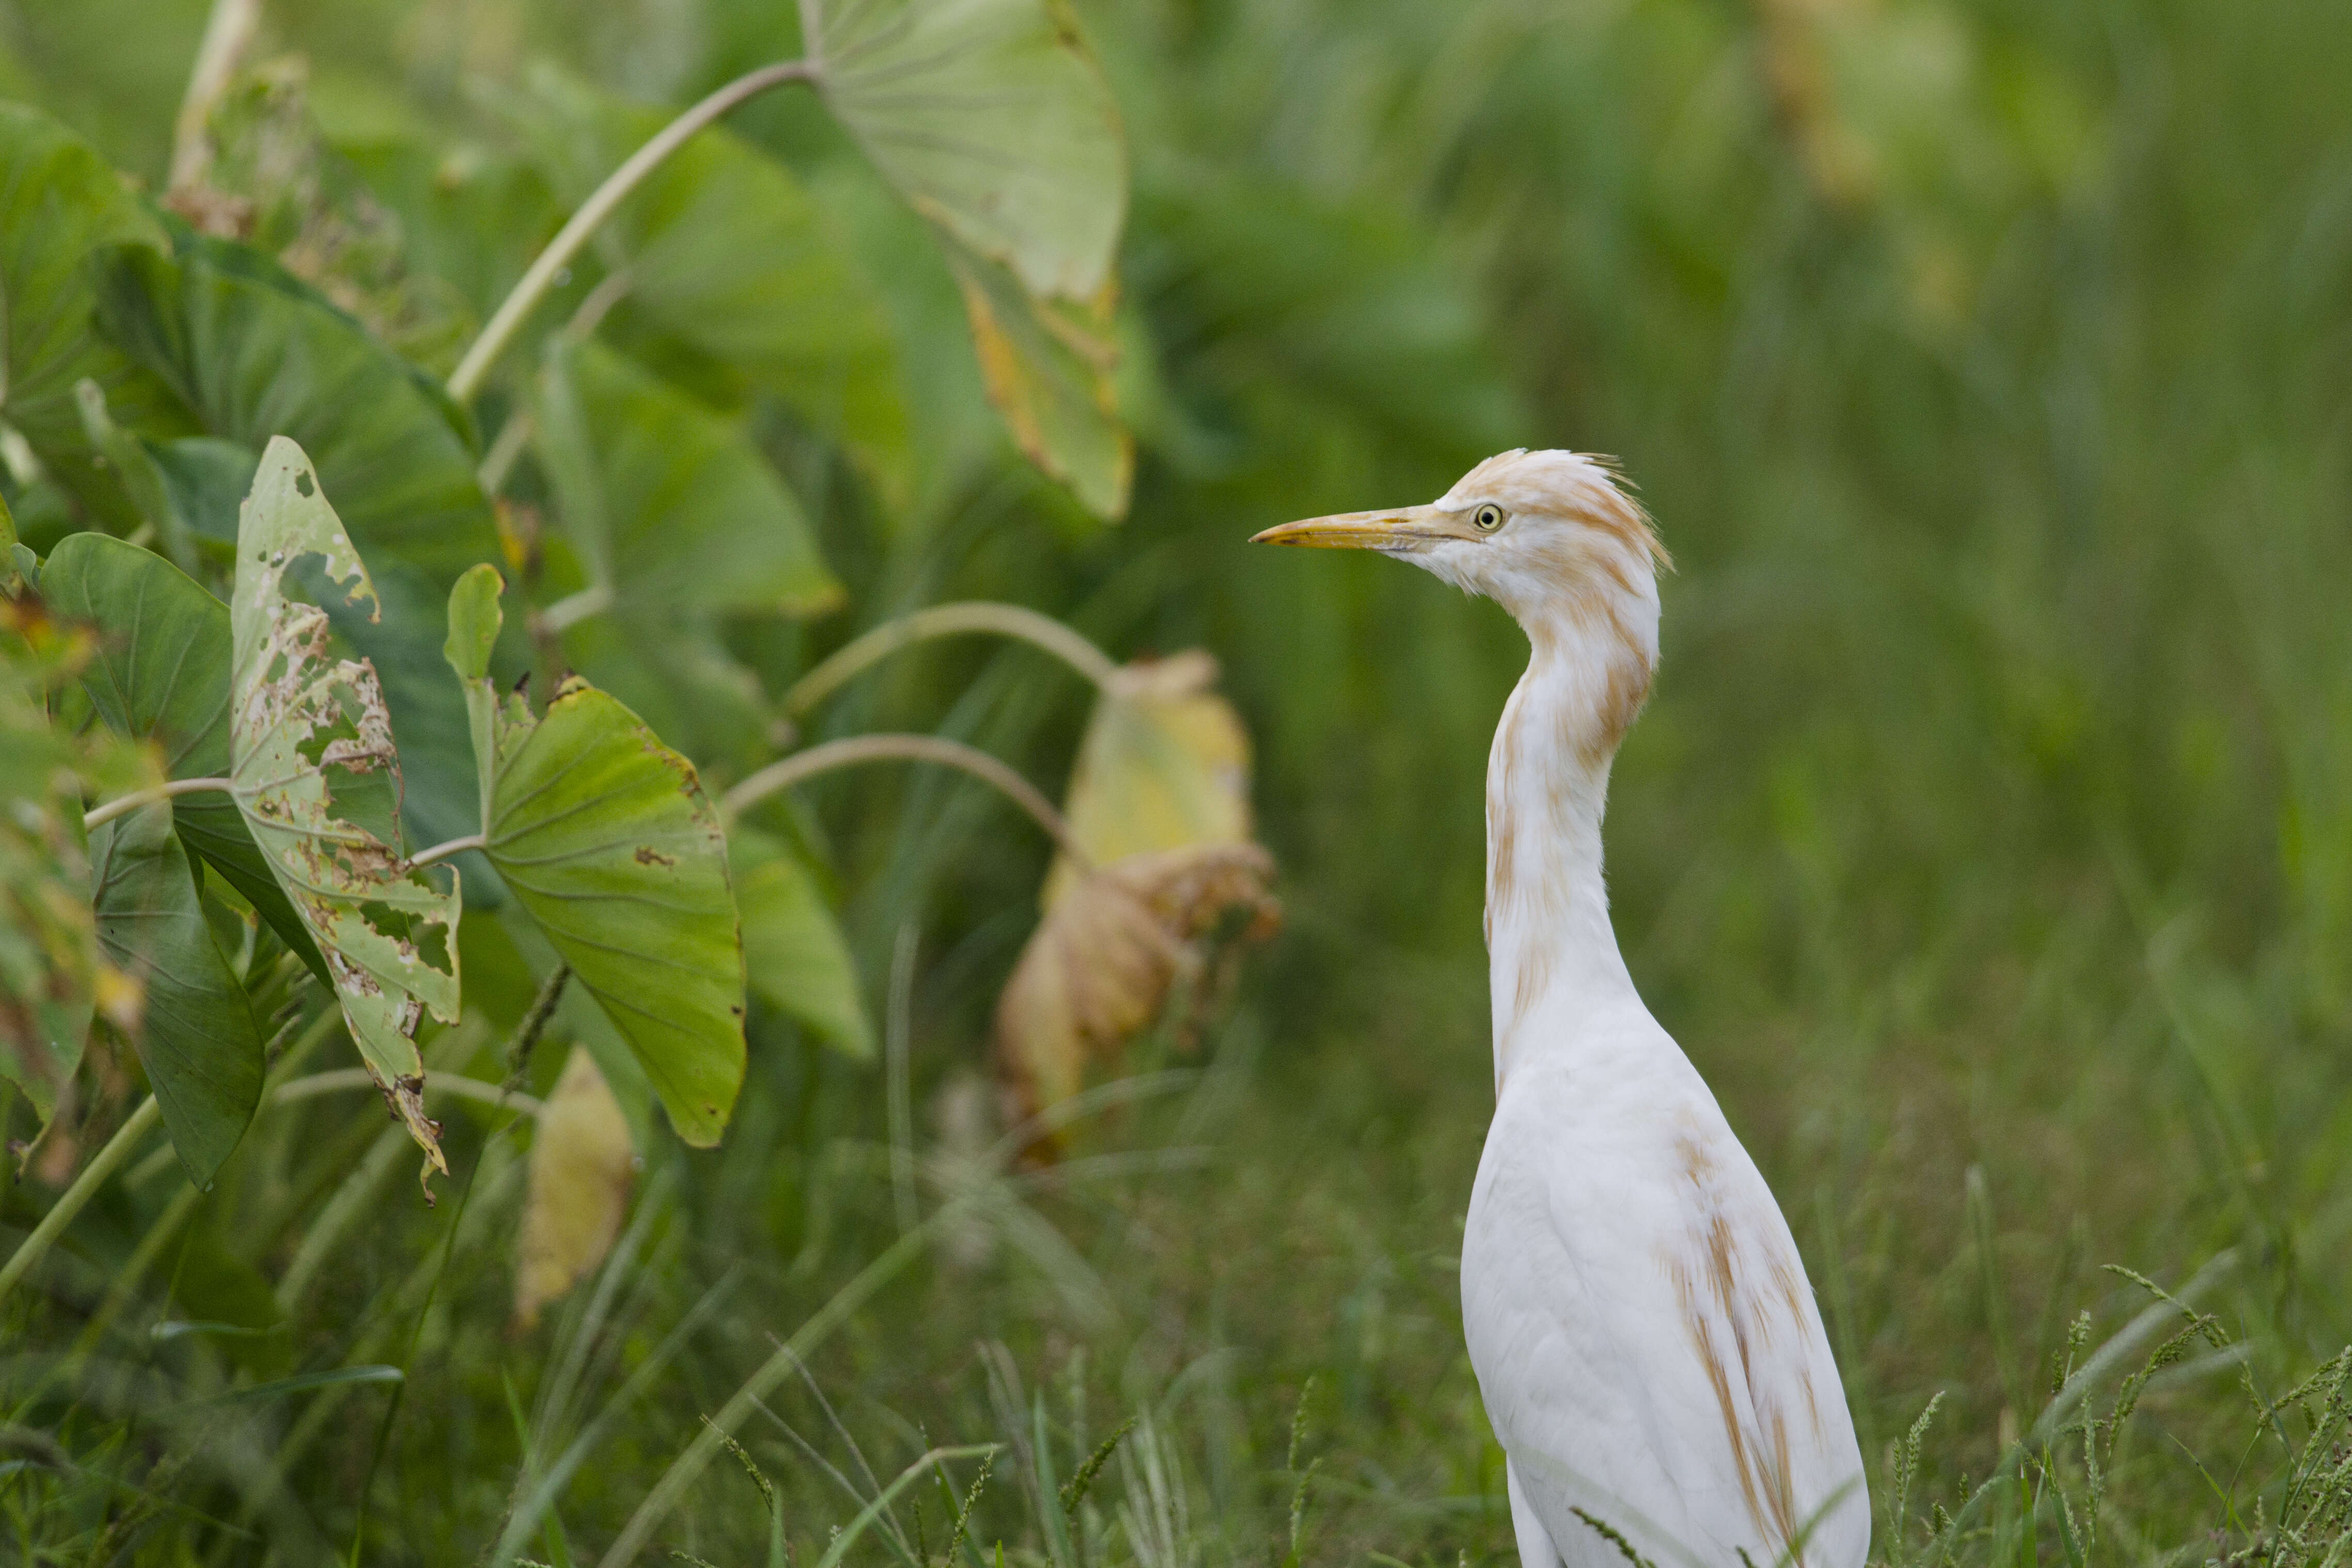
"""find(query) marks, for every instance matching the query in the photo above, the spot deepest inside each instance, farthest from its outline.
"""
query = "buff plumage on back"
(1635, 1307)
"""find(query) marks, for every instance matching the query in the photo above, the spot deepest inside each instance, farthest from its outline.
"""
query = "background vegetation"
(1987, 845)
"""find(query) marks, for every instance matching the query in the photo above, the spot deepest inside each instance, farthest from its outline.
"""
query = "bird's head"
(1546, 535)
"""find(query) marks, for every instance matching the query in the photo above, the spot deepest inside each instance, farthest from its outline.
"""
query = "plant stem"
(124, 805)
(442, 851)
(573, 608)
(861, 653)
(227, 32)
(466, 379)
(85, 1188)
(534, 1022)
(862, 748)
(341, 1078)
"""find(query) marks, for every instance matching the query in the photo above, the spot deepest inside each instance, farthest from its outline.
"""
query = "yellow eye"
(1488, 518)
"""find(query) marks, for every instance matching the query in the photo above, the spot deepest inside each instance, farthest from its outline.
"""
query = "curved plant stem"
(85, 1186)
(862, 748)
(466, 379)
(442, 851)
(341, 1078)
(862, 653)
(125, 804)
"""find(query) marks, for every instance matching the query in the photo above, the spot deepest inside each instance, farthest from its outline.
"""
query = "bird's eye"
(1488, 518)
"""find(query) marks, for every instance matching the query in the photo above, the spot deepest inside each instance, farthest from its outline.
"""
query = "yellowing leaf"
(582, 1165)
(1047, 368)
(1100, 965)
(317, 779)
(1165, 762)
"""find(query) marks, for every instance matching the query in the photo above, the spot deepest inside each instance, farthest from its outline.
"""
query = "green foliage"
(196, 1037)
(602, 833)
(255, 354)
(1983, 366)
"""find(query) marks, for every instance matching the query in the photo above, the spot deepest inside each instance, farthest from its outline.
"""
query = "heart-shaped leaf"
(195, 1034)
(992, 120)
(1047, 368)
(604, 835)
(254, 353)
(159, 672)
(669, 505)
(1164, 763)
(317, 779)
(58, 203)
(794, 952)
(582, 1167)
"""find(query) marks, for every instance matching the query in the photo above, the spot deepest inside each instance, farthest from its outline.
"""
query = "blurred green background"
(1987, 843)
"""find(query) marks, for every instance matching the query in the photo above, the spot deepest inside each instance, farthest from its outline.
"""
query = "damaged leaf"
(582, 1167)
(1164, 762)
(318, 781)
(1101, 963)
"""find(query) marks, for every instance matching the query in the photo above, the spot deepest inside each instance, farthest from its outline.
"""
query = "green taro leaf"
(794, 952)
(160, 672)
(1047, 368)
(668, 504)
(255, 354)
(722, 250)
(197, 1035)
(58, 203)
(317, 779)
(992, 120)
(605, 836)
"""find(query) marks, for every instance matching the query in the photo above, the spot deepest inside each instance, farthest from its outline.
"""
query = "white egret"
(1643, 1334)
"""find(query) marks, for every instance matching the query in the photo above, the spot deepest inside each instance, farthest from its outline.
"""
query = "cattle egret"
(1642, 1332)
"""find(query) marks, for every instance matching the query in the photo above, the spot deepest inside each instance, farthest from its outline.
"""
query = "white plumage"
(1649, 1349)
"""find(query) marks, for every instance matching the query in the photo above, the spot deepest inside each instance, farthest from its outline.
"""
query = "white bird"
(1647, 1344)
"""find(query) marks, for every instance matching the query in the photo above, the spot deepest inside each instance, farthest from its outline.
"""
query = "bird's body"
(1651, 1355)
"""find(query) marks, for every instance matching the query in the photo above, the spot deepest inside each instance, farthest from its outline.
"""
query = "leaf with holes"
(159, 672)
(196, 1036)
(793, 953)
(582, 1167)
(992, 120)
(317, 779)
(602, 833)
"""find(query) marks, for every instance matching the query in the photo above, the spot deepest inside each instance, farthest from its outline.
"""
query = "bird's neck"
(1552, 954)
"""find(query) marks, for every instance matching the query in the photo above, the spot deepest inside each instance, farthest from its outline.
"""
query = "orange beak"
(1397, 532)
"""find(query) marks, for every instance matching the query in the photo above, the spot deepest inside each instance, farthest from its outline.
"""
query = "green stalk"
(860, 654)
(126, 804)
(85, 1188)
(466, 379)
(862, 748)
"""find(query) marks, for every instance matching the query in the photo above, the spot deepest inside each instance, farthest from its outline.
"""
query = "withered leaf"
(1099, 966)
(1165, 762)
(582, 1167)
